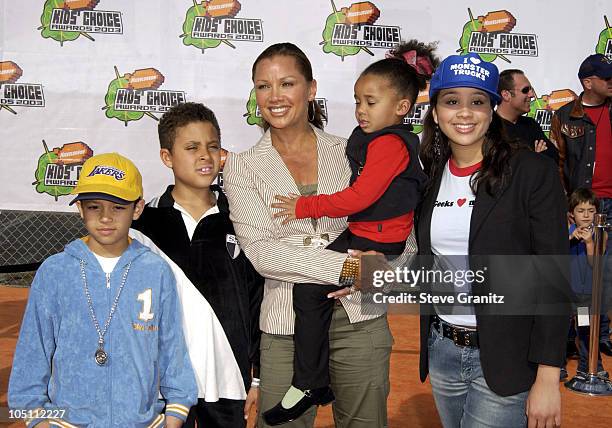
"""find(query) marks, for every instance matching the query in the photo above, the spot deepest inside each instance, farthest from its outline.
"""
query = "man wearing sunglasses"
(516, 94)
(582, 130)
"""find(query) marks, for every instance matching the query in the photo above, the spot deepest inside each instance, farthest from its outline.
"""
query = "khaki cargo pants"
(359, 371)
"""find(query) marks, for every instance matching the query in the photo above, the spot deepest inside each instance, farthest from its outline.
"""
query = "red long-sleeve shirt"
(602, 174)
(387, 157)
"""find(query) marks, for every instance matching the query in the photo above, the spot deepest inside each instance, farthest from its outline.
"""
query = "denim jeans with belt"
(462, 396)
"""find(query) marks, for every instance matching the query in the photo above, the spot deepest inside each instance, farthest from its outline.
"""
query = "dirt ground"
(410, 403)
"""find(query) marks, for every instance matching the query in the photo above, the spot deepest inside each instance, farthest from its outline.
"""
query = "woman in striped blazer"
(296, 156)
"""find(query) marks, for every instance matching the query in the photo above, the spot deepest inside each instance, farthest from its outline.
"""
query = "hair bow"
(421, 64)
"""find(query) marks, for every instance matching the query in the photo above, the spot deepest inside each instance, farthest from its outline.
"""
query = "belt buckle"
(461, 338)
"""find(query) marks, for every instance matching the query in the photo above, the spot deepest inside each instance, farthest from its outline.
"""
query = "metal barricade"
(590, 383)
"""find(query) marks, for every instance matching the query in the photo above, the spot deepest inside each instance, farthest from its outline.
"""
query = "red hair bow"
(421, 64)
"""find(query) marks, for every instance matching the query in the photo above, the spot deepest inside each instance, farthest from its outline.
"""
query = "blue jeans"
(462, 396)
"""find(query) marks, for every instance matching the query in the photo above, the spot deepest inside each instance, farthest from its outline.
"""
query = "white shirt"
(450, 231)
(190, 222)
(107, 263)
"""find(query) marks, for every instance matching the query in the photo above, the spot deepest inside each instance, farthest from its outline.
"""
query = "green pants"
(359, 371)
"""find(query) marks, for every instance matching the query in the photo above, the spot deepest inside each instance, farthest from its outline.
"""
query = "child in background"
(101, 336)
(190, 224)
(385, 188)
(583, 204)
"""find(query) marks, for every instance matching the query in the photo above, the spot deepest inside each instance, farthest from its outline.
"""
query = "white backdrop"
(72, 55)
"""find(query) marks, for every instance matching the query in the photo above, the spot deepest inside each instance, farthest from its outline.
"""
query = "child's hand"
(287, 205)
(251, 401)
(584, 234)
(587, 234)
(575, 234)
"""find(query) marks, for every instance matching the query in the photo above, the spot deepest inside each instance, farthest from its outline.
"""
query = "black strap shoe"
(278, 415)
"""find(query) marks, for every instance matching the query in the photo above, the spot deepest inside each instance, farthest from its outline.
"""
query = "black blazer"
(527, 216)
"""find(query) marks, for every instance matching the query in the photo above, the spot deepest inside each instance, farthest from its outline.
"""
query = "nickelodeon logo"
(132, 95)
(67, 20)
(58, 170)
(490, 36)
(351, 29)
(212, 22)
(14, 94)
(543, 108)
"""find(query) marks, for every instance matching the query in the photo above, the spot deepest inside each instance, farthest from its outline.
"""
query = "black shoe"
(563, 374)
(606, 348)
(314, 397)
(571, 351)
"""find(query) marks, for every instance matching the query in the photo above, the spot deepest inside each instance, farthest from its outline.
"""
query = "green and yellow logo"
(350, 30)
(542, 108)
(604, 43)
(253, 114)
(134, 95)
(58, 170)
(209, 23)
(67, 20)
(14, 94)
(490, 37)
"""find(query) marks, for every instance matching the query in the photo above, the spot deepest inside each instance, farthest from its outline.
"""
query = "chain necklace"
(101, 356)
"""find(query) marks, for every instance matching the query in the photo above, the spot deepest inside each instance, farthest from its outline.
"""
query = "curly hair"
(403, 77)
(181, 115)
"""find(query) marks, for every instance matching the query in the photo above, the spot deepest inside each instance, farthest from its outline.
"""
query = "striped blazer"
(278, 252)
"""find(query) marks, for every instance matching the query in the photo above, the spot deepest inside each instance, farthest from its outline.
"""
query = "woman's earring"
(437, 145)
(311, 109)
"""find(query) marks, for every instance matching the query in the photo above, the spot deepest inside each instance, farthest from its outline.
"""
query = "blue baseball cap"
(595, 65)
(466, 71)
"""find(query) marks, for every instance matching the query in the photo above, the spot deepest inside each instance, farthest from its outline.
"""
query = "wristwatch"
(350, 272)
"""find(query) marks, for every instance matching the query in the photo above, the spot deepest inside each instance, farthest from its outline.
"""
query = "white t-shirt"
(107, 263)
(450, 231)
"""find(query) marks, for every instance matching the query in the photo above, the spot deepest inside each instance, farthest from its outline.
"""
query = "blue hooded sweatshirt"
(54, 366)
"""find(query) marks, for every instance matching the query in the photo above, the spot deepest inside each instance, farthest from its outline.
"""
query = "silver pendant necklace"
(101, 356)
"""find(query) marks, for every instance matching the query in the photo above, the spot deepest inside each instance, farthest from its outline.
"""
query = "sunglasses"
(525, 90)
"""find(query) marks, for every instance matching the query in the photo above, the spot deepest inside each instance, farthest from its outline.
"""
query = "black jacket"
(527, 216)
(574, 133)
(230, 285)
(527, 131)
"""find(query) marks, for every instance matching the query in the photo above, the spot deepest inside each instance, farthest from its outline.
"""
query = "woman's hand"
(544, 401)
(357, 286)
(251, 400)
(287, 205)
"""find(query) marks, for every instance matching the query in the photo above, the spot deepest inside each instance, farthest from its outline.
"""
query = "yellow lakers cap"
(111, 177)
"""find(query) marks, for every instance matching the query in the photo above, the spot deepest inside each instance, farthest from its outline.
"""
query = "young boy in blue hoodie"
(101, 336)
